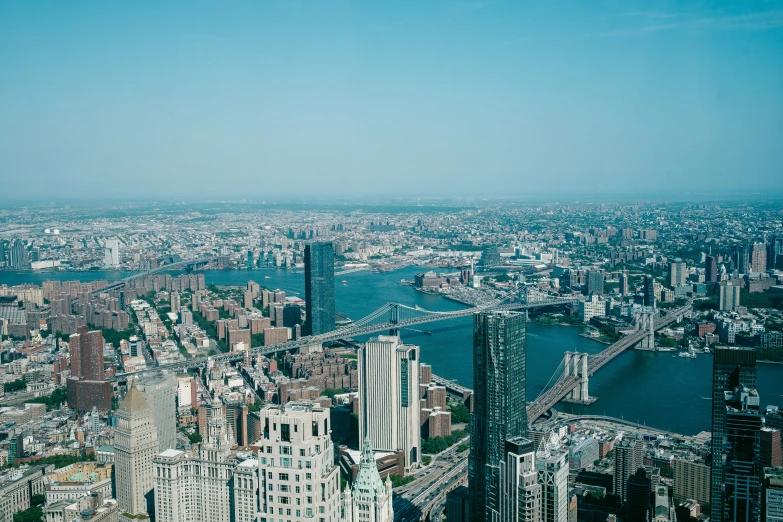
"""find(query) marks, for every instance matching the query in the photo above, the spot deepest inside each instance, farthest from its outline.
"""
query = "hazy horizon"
(278, 100)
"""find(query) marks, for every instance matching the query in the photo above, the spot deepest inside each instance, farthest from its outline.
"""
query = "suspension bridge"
(390, 317)
(572, 379)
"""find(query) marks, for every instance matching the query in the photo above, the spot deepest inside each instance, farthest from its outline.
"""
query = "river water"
(653, 388)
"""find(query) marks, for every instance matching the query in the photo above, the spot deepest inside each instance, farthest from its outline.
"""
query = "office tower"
(552, 466)
(370, 498)
(174, 302)
(17, 256)
(742, 448)
(389, 407)
(729, 296)
(758, 258)
(499, 403)
(772, 495)
(2, 252)
(87, 386)
(678, 273)
(649, 291)
(457, 505)
(319, 288)
(692, 480)
(191, 486)
(111, 257)
(639, 492)
(731, 368)
(520, 492)
(770, 447)
(623, 283)
(711, 269)
(298, 458)
(628, 457)
(159, 393)
(740, 257)
(595, 282)
(250, 263)
(135, 445)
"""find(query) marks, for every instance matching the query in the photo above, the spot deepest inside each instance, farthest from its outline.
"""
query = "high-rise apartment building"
(191, 486)
(678, 273)
(771, 456)
(595, 282)
(370, 499)
(389, 407)
(741, 451)
(319, 288)
(111, 257)
(729, 296)
(628, 457)
(135, 445)
(758, 258)
(87, 387)
(552, 466)
(711, 269)
(519, 497)
(500, 409)
(731, 368)
(160, 393)
(692, 480)
(174, 301)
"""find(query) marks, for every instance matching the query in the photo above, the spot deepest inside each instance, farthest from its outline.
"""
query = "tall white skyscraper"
(552, 466)
(191, 486)
(370, 499)
(296, 476)
(111, 257)
(135, 445)
(389, 397)
(159, 392)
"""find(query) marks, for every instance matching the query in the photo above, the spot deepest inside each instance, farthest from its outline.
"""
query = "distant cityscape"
(137, 388)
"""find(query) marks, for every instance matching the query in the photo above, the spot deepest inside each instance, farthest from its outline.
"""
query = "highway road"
(431, 484)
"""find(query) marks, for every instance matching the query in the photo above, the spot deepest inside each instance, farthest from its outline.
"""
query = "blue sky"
(262, 98)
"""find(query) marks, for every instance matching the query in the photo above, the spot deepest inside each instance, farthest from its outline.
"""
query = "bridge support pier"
(576, 366)
(646, 322)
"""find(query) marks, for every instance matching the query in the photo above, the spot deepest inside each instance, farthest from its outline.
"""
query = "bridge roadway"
(350, 331)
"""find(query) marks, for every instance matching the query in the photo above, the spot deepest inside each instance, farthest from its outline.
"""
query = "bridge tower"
(646, 321)
(394, 319)
(575, 364)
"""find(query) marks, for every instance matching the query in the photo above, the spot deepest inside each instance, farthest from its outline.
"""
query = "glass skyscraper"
(500, 409)
(731, 368)
(319, 288)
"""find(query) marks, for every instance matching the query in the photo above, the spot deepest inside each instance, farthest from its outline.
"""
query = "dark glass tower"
(649, 291)
(319, 288)
(731, 368)
(500, 409)
(742, 451)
